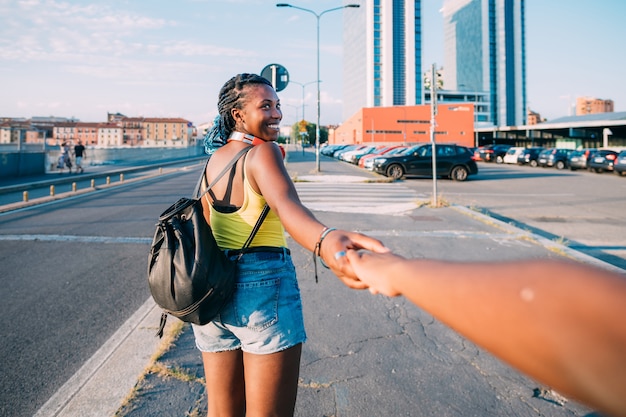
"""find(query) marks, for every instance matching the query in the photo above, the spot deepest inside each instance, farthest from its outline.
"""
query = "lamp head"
(353, 5)
(283, 5)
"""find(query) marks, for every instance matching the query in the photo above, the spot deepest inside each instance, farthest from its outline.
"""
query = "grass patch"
(439, 203)
(174, 372)
(561, 241)
(559, 251)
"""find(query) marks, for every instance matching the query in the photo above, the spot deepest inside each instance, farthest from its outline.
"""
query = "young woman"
(559, 322)
(251, 352)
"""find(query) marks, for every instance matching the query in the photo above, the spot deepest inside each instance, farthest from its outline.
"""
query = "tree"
(305, 132)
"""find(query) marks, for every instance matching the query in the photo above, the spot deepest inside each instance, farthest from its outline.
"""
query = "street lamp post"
(317, 16)
(295, 107)
(302, 85)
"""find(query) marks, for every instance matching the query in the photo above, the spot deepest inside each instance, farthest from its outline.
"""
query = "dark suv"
(491, 153)
(579, 159)
(554, 157)
(453, 161)
(602, 160)
(529, 156)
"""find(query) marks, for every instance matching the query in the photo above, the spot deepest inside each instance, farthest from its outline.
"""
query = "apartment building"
(590, 105)
(64, 132)
(533, 117)
(110, 135)
(5, 133)
(133, 131)
(163, 131)
(126, 131)
(87, 133)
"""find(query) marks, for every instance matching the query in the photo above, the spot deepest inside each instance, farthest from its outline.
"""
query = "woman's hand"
(374, 270)
(334, 248)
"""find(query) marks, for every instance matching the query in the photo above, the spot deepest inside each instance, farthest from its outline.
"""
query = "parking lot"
(583, 209)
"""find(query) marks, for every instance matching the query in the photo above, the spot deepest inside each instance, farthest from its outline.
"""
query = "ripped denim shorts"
(265, 314)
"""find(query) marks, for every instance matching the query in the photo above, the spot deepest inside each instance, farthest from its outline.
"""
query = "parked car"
(602, 160)
(337, 154)
(578, 159)
(554, 157)
(619, 166)
(353, 155)
(477, 153)
(329, 150)
(369, 162)
(382, 151)
(453, 161)
(529, 156)
(510, 157)
(491, 153)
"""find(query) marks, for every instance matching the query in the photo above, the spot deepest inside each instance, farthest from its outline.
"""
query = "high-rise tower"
(485, 51)
(382, 55)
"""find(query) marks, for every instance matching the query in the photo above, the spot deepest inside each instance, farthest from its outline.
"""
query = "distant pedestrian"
(79, 153)
(65, 160)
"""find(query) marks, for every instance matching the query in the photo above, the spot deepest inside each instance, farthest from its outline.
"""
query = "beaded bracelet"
(318, 247)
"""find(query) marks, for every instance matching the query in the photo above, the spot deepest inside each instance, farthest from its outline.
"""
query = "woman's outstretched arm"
(561, 323)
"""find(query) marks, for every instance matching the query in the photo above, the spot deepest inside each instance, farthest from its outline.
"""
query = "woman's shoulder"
(267, 150)
(264, 157)
(220, 158)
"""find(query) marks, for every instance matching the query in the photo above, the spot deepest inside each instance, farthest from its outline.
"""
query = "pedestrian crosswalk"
(357, 197)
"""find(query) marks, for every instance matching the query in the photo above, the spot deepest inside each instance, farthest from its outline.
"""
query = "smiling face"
(260, 114)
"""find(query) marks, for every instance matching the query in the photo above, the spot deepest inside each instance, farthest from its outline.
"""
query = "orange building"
(590, 105)
(407, 125)
(87, 133)
(533, 118)
(133, 130)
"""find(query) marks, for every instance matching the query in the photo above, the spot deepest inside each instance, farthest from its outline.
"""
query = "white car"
(351, 156)
(511, 155)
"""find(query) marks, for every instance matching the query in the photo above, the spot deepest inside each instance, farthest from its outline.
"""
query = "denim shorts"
(265, 314)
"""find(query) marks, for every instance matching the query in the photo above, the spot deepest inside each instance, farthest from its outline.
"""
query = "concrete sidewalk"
(366, 355)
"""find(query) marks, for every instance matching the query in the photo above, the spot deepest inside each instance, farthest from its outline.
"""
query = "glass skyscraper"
(382, 55)
(485, 51)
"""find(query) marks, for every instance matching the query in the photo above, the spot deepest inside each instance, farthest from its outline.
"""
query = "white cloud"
(93, 16)
(188, 48)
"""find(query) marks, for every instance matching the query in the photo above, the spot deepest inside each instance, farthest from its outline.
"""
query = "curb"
(100, 385)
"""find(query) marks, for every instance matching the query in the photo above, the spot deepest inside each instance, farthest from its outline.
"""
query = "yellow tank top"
(231, 230)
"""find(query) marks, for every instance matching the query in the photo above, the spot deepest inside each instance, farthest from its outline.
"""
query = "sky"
(163, 58)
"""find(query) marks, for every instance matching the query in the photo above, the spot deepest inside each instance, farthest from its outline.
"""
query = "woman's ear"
(236, 114)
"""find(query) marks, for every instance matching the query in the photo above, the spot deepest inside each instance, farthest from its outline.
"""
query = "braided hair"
(232, 96)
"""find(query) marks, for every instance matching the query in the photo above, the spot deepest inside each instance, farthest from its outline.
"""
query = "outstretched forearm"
(560, 323)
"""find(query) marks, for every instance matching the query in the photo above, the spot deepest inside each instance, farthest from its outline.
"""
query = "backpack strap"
(196, 192)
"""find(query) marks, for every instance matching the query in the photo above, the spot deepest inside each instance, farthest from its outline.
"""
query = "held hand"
(374, 270)
(335, 247)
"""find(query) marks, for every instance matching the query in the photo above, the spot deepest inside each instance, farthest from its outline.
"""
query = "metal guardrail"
(25, 187)
(30, 185)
